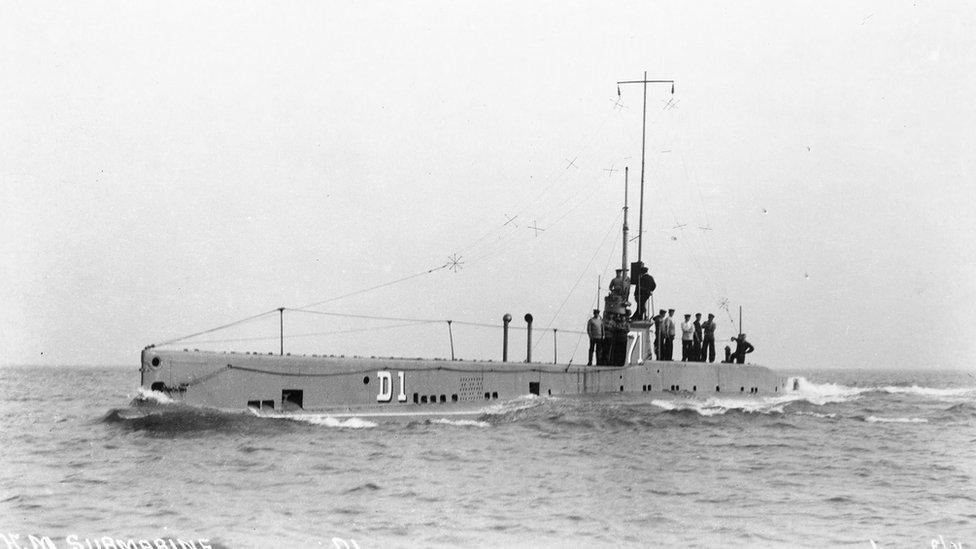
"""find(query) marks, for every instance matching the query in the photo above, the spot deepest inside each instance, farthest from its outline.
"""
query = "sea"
(851, 459)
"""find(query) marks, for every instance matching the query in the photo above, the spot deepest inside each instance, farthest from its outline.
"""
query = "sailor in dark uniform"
(659, 334)
(696, 342)
(708, 339)
(594, 328)
(620, 285)
(742, 348)
(645, 287)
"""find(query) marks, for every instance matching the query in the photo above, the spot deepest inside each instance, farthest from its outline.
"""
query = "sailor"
(620, 285)
(659, 334)
(742, 348)
(696, 342)
(687, 335)
(708, 339)
(645, 287)
(594, 329)
(669, 331)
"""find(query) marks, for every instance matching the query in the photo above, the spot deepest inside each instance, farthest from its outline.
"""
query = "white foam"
(462, 422)
(874, 419)
(518, 403)
(817, 414)
(819, 394)
(822, 393)
(324, 420)
(928, 391)
(716, 406)
(148, 395)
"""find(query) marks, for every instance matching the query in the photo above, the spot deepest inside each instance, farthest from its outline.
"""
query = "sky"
(166, 168)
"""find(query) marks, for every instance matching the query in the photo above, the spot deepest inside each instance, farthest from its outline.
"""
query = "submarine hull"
(391, 386)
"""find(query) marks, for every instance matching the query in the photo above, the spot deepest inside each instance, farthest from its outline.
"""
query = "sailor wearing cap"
(742, 348)
(696, 343)
(594, 329)
(687, 335)
(659, 334)
(708, 339)
(669, 333)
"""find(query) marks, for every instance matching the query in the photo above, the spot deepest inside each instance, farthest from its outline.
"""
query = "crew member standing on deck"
(669, 331)
(645, 288)
(594, 329)
(696, 342)
(687, 335)
(708, 339)
(659, 335)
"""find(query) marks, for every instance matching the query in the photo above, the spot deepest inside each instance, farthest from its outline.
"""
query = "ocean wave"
(154, 397)
(821, 393)
(324, 420)
(928, 391)
(461, 422)
(174, 419)
(825, 393)
(517, 404)
(875, 419)
(817, 394)
(714, 406)
(817, 415)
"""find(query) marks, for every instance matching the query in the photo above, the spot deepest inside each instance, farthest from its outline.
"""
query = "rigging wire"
(235, 323)
(707, 248)
(310, 334)
(580, 277)
(371, 288)
(502, 242)
(585, 145)
(587, 142)
(415, 320)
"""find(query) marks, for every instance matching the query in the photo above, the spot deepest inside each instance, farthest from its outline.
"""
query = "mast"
(624, 261)
(640, 226)
(640, 222)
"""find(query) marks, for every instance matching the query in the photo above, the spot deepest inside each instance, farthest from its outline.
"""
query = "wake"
(817, 394)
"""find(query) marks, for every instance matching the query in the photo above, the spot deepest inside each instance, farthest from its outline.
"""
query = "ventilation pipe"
(528, 338)
(506, 319)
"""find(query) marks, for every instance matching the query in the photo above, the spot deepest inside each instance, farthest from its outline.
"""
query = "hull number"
(636, 340)
(386, 387)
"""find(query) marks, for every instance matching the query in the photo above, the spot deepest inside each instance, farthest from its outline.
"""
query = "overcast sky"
(169, 167)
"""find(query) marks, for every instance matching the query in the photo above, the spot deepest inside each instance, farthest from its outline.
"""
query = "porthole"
(423, 399)
(155, 361)
(494, 394)
(365, 380)
(742, 389)
(443, 399)
(454, 398)
(487, 396)
(694, 388)
(718, 389)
